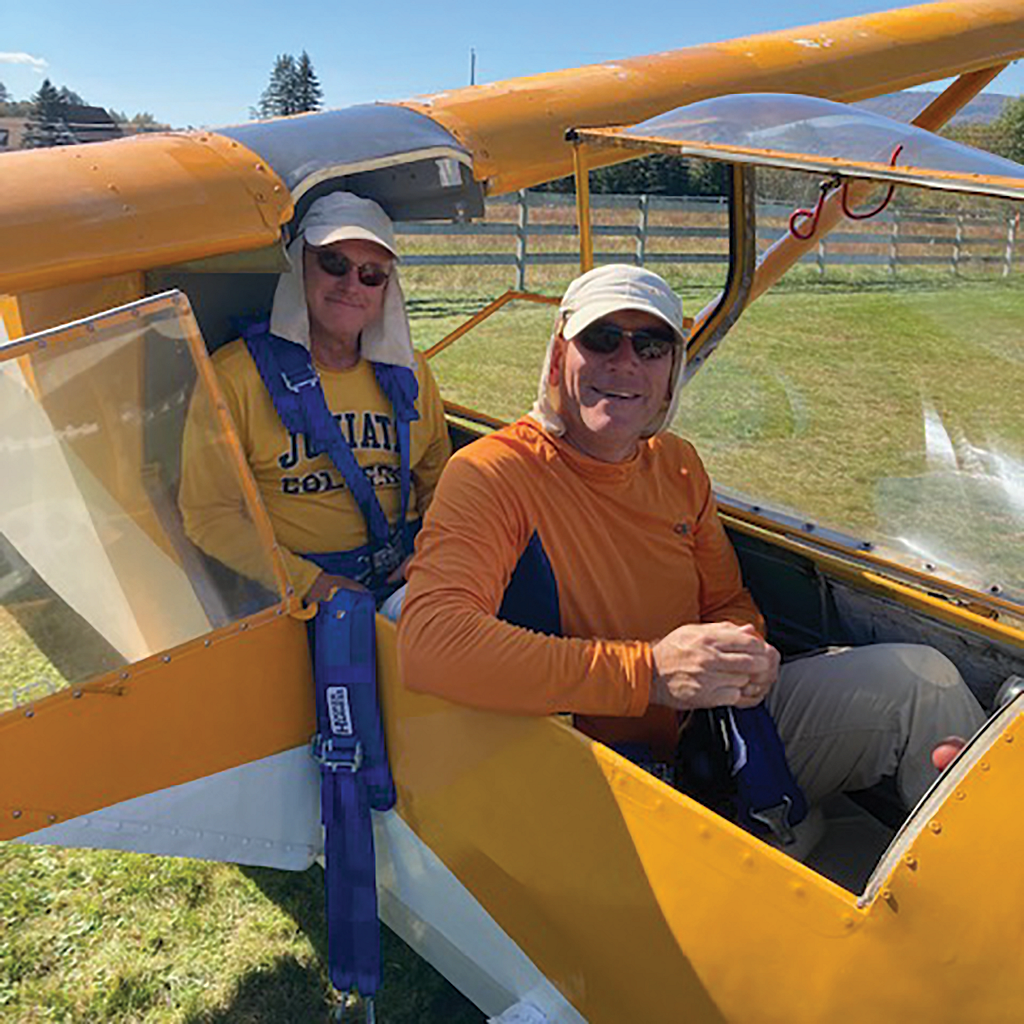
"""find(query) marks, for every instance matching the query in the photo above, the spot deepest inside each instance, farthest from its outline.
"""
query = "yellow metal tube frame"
(582, 173)
(478, 318)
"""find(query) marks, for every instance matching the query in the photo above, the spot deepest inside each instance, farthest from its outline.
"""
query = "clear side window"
(876, 388)
(128, 521)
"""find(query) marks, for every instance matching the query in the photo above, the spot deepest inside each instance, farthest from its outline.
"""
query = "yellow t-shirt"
(305, 495)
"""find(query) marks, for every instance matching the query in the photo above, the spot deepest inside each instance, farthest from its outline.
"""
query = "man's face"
(608, 399)
(340, 307)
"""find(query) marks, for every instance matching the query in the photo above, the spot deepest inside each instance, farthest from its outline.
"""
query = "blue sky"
(207, 63)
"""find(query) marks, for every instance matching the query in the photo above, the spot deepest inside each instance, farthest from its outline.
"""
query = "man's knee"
(919, 665)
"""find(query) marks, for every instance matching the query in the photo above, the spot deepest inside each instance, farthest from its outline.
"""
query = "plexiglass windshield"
(98, 561)
(822, 135)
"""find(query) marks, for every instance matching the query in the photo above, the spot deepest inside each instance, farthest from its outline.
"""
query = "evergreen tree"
(293, 88)
(307, 87)
(70, 97)
(5, 96)
(47, 120)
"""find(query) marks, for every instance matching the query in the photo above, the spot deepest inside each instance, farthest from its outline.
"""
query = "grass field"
(816, 401)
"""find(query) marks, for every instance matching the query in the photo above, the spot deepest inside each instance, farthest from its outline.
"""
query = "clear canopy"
(103, 562)
(804, 132)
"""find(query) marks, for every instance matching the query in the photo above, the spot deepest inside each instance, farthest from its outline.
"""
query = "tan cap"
(341, 216)
(616, 287)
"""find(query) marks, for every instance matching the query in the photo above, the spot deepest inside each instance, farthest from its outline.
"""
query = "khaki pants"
(850, 716)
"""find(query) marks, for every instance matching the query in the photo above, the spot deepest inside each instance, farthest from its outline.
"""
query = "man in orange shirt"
(575, 561)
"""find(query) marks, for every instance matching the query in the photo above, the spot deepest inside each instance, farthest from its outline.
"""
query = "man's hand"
(712, 665)
(325, 583)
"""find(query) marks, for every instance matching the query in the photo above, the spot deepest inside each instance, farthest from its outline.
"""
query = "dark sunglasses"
(373, 275)
(604, 337)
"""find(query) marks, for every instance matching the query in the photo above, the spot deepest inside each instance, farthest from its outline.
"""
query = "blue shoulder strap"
(293, 384)
(402, 389)
(355, 778)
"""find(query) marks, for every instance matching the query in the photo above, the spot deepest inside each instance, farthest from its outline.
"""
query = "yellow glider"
(523, 859)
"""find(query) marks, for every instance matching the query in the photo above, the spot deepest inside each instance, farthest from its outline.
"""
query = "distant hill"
(904, 106)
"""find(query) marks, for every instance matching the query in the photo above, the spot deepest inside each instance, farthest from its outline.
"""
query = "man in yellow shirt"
(346, 479)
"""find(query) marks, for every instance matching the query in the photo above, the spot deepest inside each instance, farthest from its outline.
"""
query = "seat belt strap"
(355, 778)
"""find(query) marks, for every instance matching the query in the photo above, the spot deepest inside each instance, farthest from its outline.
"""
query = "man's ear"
(557, 358)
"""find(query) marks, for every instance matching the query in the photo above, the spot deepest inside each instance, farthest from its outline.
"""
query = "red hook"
(826, 186)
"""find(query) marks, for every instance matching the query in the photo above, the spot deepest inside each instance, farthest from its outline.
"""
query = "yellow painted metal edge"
(833, 562)
(251, 494)
(241, 693)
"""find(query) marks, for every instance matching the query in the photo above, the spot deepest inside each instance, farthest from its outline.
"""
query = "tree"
(293, 88)
(70, 97)
(308, 90)
(1008, 128)
(5, 96)
(47, 120)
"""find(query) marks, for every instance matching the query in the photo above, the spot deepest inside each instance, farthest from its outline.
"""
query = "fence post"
(894, 241)
(522, 221)
(958, 243)
(1011, 231)
(641, 239)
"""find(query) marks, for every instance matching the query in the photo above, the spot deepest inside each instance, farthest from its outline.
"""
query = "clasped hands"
(711, 665)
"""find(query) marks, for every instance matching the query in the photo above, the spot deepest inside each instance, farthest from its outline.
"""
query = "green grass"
(815, 401)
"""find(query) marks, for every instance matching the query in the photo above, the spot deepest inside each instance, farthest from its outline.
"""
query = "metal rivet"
(124, 675)
(799, 891)
(960, 795)
(167, 658)
(935, 826)
(887, 895)
(984, 766)
(809, 527)
(340, 615)
(16, 814)
(911, 861)
(30, 713)
(847, 923)
(748, 860)
(929, 566)
(1009, 739)
(704, 832)
(244, 625)
(76, 694)
(51, 818)
(206, 643)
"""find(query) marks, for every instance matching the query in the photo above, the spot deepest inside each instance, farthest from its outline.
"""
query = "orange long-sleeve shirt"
(636, 548)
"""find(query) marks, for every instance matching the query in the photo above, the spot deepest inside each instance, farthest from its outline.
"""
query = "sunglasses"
(604, 337)
(373, 275)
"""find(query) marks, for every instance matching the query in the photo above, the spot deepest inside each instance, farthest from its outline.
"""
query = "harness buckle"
(777, 820)
(310, 379)
(336, 758)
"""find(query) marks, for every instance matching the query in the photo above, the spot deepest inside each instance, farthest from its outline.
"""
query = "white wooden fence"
(698, 231)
